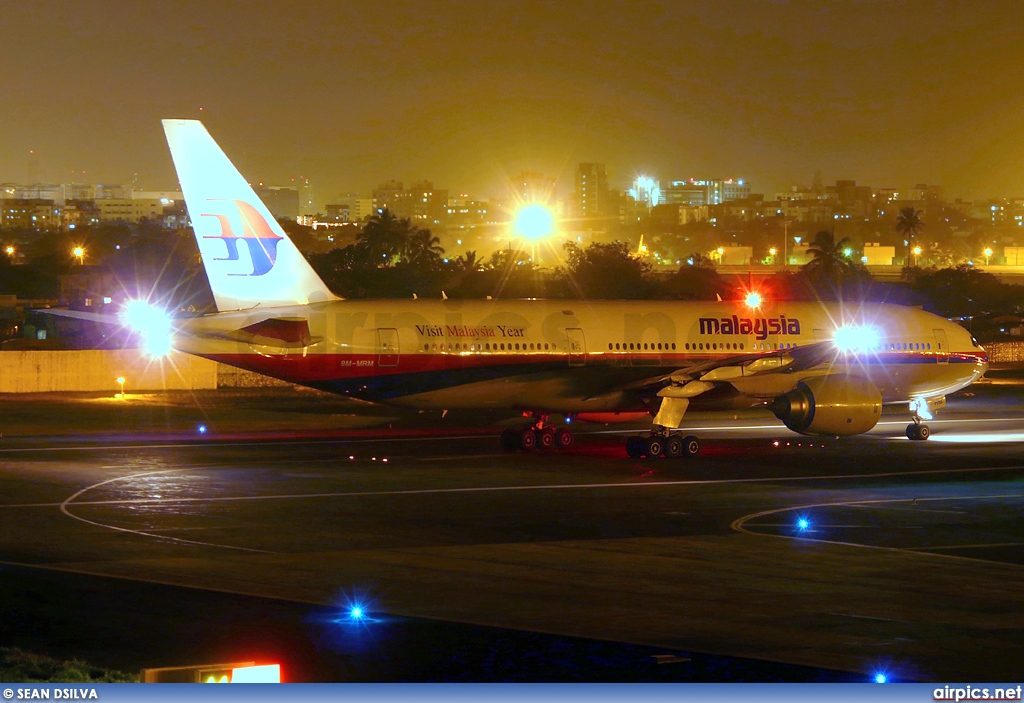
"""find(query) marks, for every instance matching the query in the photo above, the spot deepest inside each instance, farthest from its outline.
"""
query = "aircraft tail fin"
(248, 257)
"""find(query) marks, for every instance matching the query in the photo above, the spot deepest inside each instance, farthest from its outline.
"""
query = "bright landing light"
(152, 324)
(534, 221)
(856, 338)
(753, 299)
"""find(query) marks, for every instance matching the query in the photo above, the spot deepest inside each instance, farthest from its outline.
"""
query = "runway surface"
(911, 558)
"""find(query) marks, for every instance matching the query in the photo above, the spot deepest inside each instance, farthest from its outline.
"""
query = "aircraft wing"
(743, 371)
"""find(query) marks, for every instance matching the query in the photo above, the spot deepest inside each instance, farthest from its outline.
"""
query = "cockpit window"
(975, 343)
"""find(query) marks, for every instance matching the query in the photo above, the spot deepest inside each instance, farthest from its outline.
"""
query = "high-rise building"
(592, 201)
(282, 201)
(420, 202)
(529, 187)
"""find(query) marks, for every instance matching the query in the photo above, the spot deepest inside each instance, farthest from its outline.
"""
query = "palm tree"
(421, 246)
(385, 237)
(468, 261)
(908, 224)
(830, 261)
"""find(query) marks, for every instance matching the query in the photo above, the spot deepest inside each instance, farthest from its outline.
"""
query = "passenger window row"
(641, 347)
(487, 346)
(911, 346)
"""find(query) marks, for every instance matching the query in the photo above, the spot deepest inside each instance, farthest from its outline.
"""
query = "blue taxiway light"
(803, 523)
(201, 429)
(355, 613)
(881, 678)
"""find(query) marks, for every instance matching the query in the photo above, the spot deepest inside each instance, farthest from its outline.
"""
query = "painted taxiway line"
(496, 489)
(739, 524)
(142, 533)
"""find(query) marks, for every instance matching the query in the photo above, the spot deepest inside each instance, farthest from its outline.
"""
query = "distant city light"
(10, 251)
(847, 252)
(534, 221)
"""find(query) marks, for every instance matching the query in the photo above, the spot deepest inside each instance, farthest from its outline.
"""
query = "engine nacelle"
(830, 405)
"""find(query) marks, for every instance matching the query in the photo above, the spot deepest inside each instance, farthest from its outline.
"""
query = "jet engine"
(830, 405)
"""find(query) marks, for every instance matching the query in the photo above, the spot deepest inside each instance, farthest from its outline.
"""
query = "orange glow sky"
(467, 93)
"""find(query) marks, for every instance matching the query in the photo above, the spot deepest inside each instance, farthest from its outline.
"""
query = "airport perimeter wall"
(1005, 352)
(39, 371)
(49, 371)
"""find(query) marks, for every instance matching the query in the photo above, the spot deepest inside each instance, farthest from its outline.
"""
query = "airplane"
(821, 368)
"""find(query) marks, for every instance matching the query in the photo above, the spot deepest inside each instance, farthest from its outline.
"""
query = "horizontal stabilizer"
(80, 315)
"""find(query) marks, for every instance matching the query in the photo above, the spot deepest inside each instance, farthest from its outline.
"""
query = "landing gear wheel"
(510, 440)
(527, 439)
(634, 447)
(918, 432)
(653, 447)
(563, 439)
(691, 445)
(673, 447)
(547, 438)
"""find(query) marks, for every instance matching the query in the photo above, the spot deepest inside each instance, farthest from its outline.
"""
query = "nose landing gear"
(918, 431)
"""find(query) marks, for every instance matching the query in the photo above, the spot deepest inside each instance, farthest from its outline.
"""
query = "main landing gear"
(539, 435)
(661, 442)
(917, 430)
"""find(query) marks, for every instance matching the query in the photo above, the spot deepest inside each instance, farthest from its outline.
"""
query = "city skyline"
(888, 94)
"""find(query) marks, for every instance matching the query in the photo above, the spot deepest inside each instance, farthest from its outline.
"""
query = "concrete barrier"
(96, 370)
(1005, 352)
(232, 377)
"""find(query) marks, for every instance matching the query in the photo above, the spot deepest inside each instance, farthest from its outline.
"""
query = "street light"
(988, 253)
(79, 253)
(120, 380)
(10, 251)
(917, 252)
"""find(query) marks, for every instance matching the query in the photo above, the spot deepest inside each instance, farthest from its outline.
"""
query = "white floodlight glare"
(152, 324)
(856, 339)
(534, 221)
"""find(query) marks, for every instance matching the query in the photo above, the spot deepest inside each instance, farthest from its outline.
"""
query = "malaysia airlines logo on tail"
(256, 233)
(268, 270)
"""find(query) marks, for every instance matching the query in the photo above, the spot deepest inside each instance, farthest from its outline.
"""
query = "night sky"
(469, 93)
